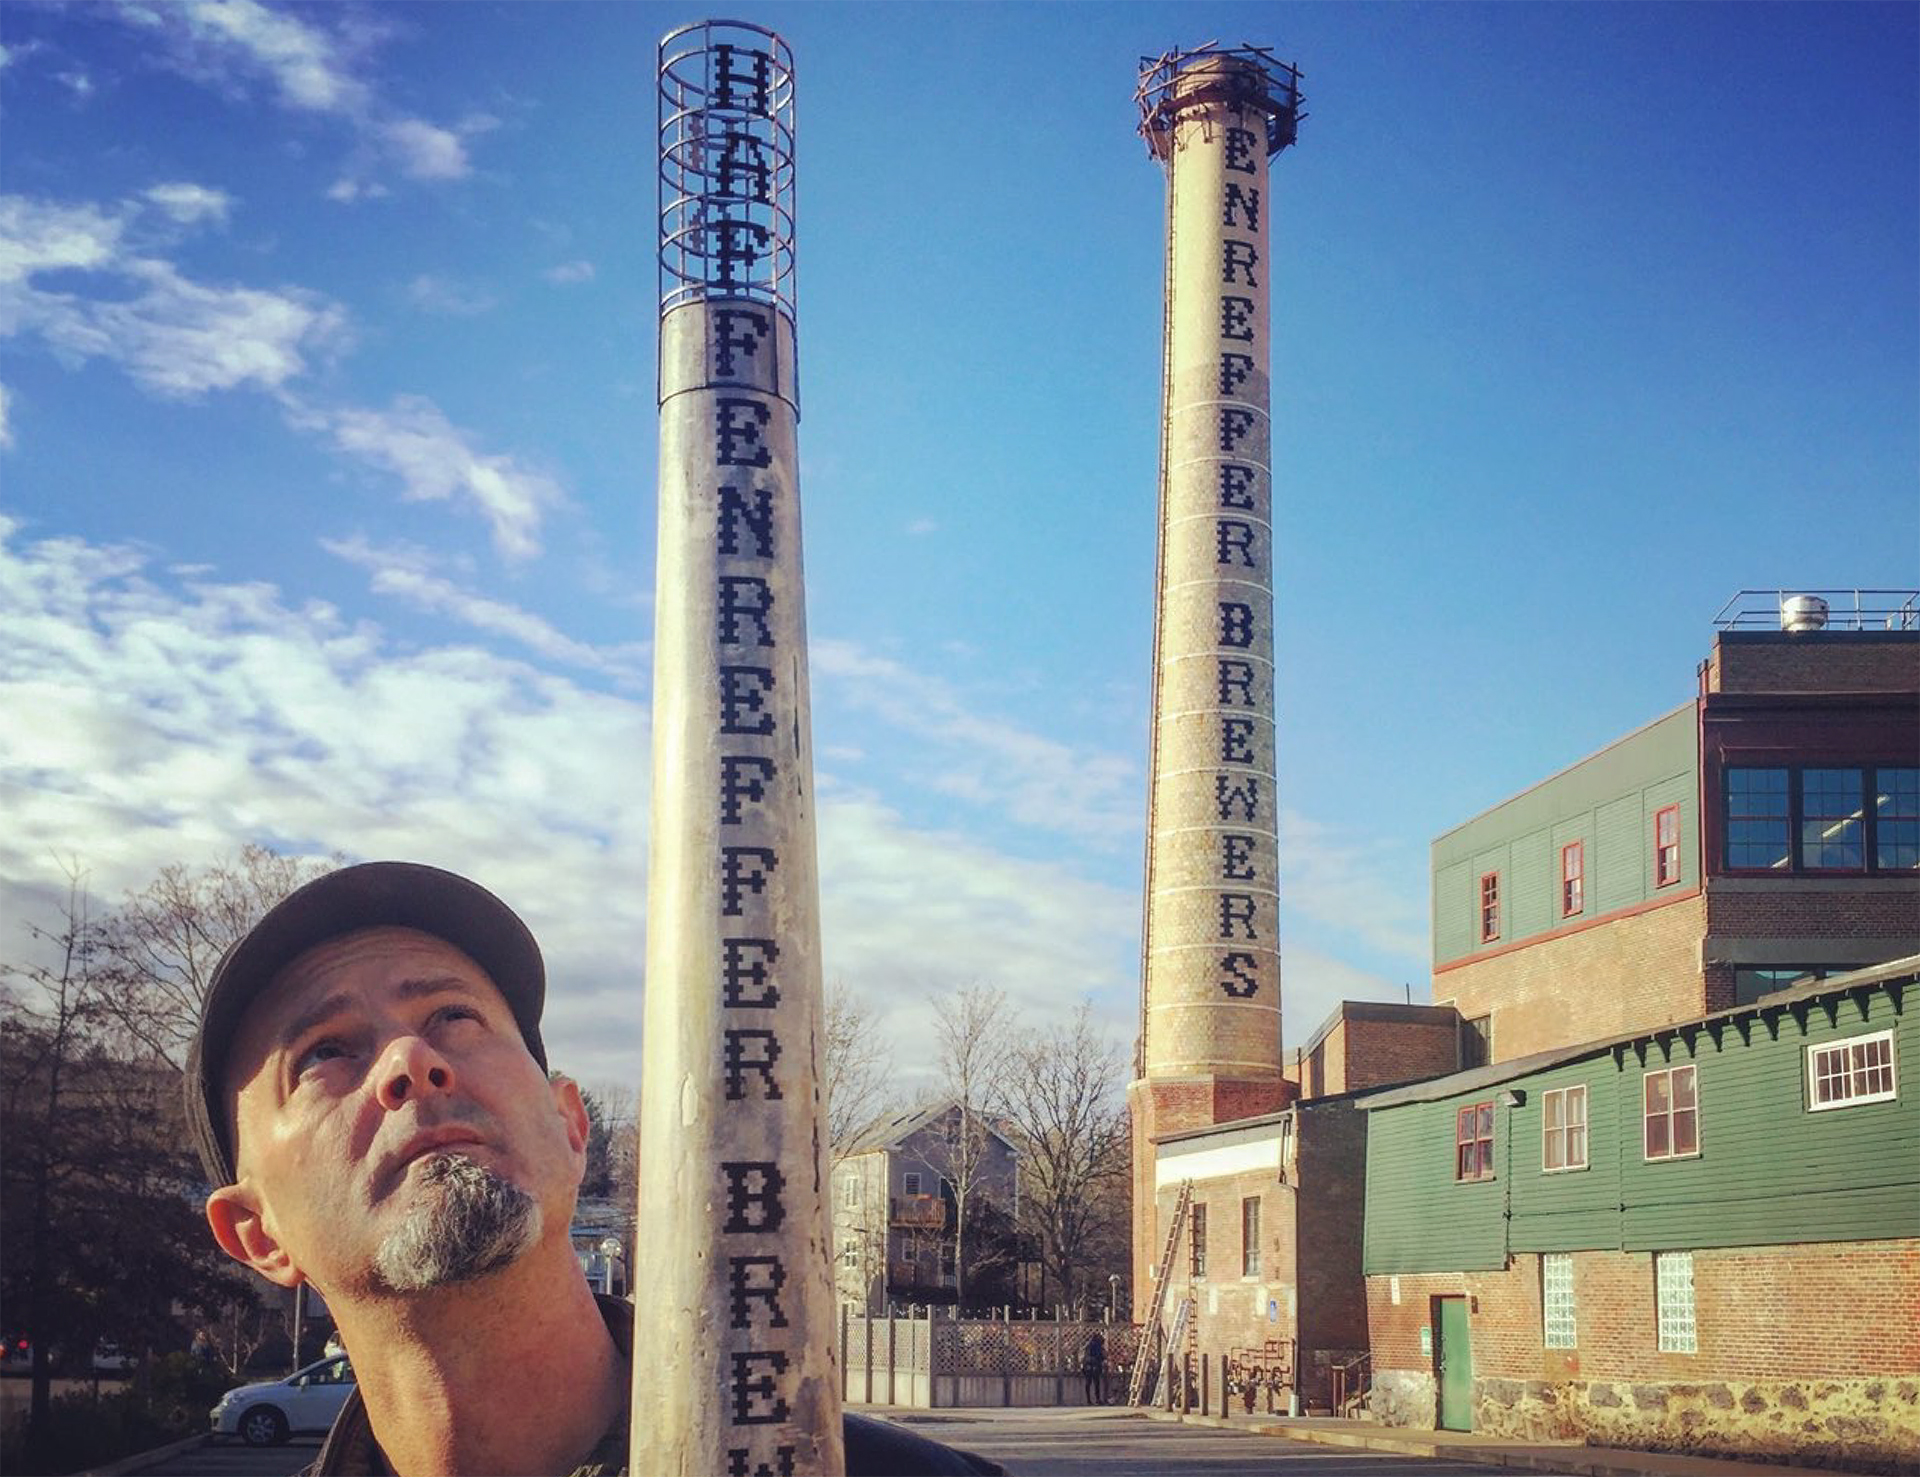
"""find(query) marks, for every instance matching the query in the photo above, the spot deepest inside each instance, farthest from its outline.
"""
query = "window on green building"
(1573, 878)
(1673, 1301)
(1473, 1143)
(1672, 1113)
(1666, 846)
(1489, 907)
(1857, 1070)
(1556, 1299)
(1563, 1132)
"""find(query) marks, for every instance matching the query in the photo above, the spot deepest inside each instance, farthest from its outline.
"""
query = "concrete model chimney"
(734, 1354)
(1209, 1047)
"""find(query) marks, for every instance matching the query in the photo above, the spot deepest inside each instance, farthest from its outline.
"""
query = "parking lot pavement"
(1083, 1442)
(235, 1459)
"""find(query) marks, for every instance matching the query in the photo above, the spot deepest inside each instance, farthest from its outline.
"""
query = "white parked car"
(265, 1415)
(107, 1358)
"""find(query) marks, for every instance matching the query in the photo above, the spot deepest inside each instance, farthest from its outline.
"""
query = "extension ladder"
(1149, 1350)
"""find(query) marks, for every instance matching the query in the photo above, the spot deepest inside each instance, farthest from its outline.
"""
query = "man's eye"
(456, 1013)
(324, 1050)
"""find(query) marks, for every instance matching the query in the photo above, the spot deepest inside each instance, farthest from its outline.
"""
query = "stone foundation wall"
(1868, 1425)
(1405, 1397)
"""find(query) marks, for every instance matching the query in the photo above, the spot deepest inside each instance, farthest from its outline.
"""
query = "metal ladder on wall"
(1149, 1351)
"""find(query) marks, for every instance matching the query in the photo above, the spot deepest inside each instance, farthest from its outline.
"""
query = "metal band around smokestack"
(735, 1364)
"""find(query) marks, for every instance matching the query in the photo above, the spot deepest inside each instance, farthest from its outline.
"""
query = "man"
(368, 1092)
(1093, 1365)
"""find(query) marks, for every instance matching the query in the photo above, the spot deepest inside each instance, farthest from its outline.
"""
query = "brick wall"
(1381, 1052)
(1815, 662)
(1633, 972)
(1160, 1106)
(1805, 1353)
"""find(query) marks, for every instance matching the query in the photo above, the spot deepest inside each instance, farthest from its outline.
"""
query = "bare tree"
(857, 1065)
(973, 1032)
(157, 951)
(1065, 1107)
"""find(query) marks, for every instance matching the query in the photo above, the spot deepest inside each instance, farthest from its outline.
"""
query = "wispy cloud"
(920, 527)
(989, 761)
(312, 67)
(436, 461)
(409, 575)
(6, 418)
(568, 273)
(176, 337)
(443, 295)
(189, 203)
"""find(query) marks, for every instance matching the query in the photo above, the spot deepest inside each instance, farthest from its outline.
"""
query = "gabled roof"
(893, 1131)
(1474, 1078)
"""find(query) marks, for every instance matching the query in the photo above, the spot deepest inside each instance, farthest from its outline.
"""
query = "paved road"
(1074, 1442)
(1080, 1442)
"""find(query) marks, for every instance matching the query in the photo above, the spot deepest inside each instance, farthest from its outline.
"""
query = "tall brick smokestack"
(1209, 1048)
(735, 1358)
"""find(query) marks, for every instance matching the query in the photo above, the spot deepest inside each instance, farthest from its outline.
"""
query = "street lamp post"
(1113, 1296)
(611, 1250)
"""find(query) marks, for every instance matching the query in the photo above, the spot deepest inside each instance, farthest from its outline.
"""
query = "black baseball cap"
(370, 895)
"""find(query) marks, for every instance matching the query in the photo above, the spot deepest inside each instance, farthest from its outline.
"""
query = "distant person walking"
(1093, 1364)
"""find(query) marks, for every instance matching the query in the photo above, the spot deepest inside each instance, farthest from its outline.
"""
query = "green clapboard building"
(1703, 1236)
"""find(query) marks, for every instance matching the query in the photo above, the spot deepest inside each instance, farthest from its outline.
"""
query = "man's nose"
(409, 1068)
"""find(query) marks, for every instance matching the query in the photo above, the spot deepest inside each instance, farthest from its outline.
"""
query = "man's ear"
(243, 1234)
(566, 1097)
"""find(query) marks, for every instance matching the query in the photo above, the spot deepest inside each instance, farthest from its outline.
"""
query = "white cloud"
(38, 236)
(1349, 885)
(347, 189)
(434, 460)
(443, 295)
(570, 272)
(76, 82)
(180, 338)
(1094, 795)
(408, 575)
(6, 418)
(425, 151)
(190, 203)
(313, 68)
(147, 719)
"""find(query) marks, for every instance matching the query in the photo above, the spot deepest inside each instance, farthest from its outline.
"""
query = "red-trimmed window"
(1489, 907)
(1573, 878)
(1666, 846)
(1672, 1114)
(1473, 1143)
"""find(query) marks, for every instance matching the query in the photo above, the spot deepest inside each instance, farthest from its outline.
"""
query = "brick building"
(1765, 831)
(1699, 1236)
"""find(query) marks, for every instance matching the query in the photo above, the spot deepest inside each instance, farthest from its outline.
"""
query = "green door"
(1453, 1362)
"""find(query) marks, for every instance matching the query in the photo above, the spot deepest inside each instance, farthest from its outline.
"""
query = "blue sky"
(327, 443)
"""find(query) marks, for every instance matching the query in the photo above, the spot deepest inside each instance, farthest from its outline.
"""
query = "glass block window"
(1857, 1070)
(1473, 1143)
(1573, 879)
(1896, 819)
(1666, 846)
(1564, 1128)
(1250, 1236)
(1832, 823)
(1672, 1114)
(1758, 828)
(1556, 1299)
(1673, 1301)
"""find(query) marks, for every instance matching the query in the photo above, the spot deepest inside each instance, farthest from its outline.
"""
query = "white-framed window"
(1856, 1070)
(1563, 1128)
(910, 1182)
(1673, 1301)
(1672, 1113)
(849, 1254)
(1556, 1299)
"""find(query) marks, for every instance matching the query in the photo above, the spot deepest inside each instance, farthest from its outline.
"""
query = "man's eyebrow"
(339, 1002)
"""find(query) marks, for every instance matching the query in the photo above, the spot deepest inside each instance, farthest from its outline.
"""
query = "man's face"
(385, 1108)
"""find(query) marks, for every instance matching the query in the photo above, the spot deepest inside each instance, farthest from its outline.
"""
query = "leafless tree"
(157, 951)
(973, 1034)
(857, 1065)
(1064, 1103)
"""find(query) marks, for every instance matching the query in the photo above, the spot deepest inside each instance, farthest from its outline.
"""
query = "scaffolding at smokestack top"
(1253, 79)
(726, 180)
